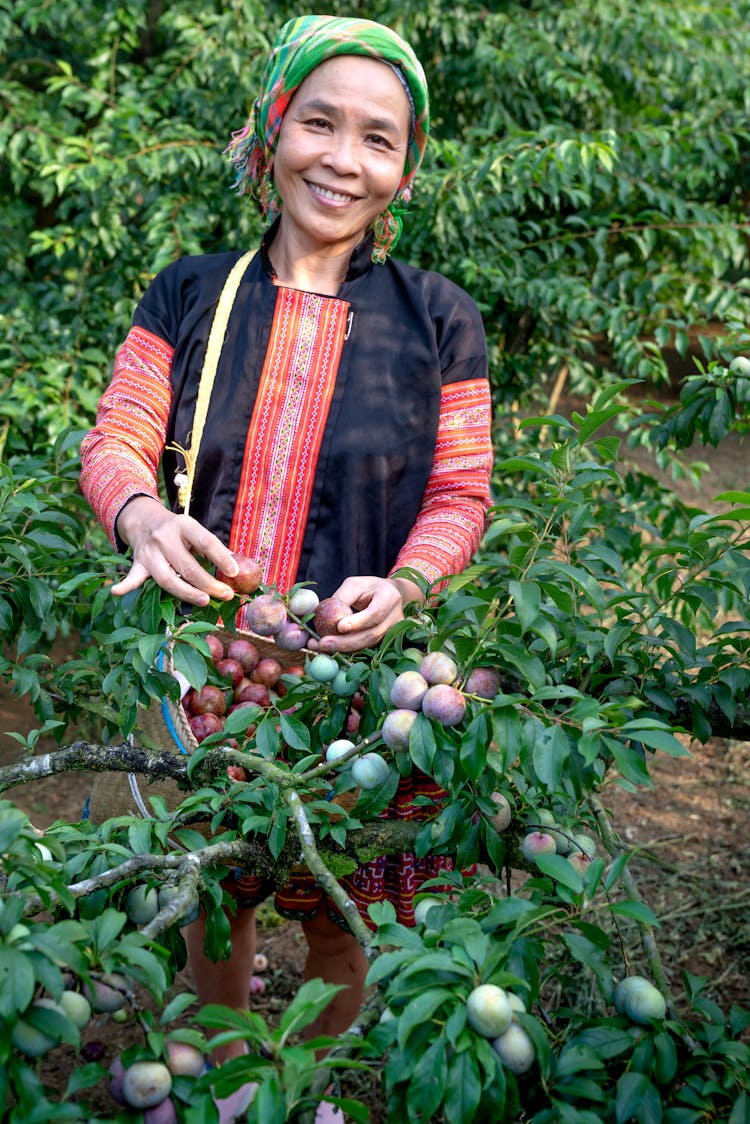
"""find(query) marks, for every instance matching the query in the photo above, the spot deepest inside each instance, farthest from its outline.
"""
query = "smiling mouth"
(332, 196)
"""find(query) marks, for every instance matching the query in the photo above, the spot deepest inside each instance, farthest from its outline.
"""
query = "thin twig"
(615, 848)
(323, 875)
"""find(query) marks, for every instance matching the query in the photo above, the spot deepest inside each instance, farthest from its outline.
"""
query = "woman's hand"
(164, 548)
(378, 603)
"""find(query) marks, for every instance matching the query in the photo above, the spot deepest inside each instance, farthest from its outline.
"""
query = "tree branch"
(323, 875)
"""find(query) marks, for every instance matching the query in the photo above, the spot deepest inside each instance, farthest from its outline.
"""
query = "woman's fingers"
(168, 547)
(207, 546)
(166, 576)
(376, 604)
(134, 578)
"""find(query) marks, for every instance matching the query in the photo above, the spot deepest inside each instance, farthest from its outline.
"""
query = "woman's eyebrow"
(317, 105)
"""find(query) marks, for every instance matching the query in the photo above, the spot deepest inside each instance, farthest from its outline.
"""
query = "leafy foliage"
(615, 618)
(587, 181)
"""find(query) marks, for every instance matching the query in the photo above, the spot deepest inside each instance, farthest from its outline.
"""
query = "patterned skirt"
(394, 878)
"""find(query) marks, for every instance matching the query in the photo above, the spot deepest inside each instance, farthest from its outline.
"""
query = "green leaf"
(636, 1098)
(277, 834)
(506, 733)
(637, 911)
(267, 736)
(428, 1083)
(84, 1077)
(576, 1057)
(606, 1041)
(549, 755)
(420, 1010)
(527, 600)
(422, 744)
(190, 663)
(473, 754)
(139, 837)
(740, 1113)
(628, 761)
(560, 869)
(294, 732)
(12, 822)
(666, 1060)
(655, 736)
(387, 964)
(17, 981)
(311, 1000)
(106, 928)
(595, 419)
(176, 1007)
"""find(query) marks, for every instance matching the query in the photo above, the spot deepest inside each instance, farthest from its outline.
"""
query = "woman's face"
(341, 152)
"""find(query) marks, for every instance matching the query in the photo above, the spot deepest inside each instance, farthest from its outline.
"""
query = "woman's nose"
(342, 155)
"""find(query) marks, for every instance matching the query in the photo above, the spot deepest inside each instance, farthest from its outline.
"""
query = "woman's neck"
(310, 269)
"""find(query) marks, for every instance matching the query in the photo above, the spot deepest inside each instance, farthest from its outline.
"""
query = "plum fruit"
(328, 614)
(438, 667)
(247, 579)
(445, 704)
(408, 690)
(397, 727)
(488, 1010)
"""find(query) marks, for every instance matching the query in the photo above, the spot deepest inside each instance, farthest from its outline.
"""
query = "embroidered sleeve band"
(451, 520)
(120, 455)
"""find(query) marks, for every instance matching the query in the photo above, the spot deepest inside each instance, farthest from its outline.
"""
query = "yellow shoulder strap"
(208, 375)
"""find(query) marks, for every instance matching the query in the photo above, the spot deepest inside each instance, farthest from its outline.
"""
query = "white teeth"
(335, 196)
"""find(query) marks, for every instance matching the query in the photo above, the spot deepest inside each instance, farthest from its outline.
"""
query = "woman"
(348, 430)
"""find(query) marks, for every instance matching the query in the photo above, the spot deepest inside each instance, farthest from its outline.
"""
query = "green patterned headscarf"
(302, 45)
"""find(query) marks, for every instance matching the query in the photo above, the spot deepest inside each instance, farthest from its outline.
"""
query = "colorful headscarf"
(303, 44)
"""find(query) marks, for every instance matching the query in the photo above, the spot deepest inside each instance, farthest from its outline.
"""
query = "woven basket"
(166, 725)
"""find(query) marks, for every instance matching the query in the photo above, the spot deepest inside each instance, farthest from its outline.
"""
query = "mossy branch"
(323, 875)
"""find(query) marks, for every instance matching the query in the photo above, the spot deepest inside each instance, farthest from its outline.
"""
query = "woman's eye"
(380, 141)
(318, 122)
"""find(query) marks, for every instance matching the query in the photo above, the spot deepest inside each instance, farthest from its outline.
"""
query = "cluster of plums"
(251, 680)
(432, 690)
(106, 994)
(144, 902)
(145, 1086)
(491, 1011)
(285, 618)
(546, 836)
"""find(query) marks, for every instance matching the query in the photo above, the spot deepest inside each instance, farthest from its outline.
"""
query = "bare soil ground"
(690, 831)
